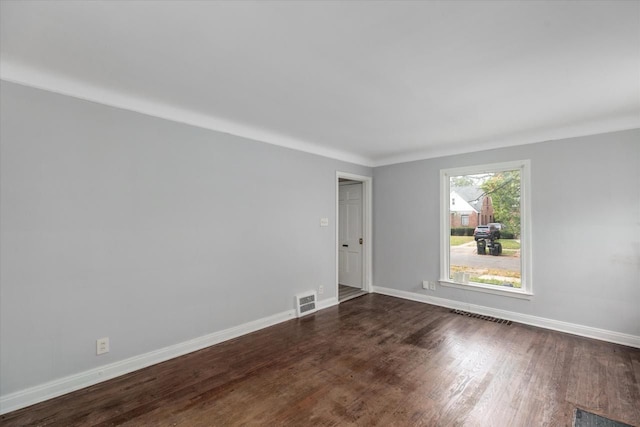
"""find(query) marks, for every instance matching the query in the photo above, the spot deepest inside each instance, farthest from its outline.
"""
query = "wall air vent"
(306, 303)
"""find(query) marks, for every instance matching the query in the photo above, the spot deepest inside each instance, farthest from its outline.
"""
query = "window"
(496, 259)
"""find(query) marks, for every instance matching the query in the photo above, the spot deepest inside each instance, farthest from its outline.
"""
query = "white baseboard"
(49, 390)
(542, 322)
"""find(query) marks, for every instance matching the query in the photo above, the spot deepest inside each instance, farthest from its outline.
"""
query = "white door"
(350, 235)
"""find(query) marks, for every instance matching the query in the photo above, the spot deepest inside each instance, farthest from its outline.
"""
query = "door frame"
(367, 227)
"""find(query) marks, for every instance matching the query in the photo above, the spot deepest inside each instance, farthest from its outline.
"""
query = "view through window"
(484, 226)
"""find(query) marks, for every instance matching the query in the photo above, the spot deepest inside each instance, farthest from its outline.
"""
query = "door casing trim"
(367, 227)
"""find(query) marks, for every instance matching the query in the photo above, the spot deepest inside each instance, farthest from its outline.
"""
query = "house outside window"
(464, 219)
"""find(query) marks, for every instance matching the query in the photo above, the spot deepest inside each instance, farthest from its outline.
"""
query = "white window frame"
(526, 291)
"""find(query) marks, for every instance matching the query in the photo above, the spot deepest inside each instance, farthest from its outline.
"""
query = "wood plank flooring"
(373, 360)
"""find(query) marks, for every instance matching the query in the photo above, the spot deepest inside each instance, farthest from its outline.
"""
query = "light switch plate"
(324, 222)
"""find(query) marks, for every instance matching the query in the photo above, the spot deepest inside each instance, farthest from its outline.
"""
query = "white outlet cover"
(324, 222)
(102, 346)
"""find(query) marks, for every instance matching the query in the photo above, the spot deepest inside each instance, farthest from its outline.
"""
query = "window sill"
(488, 289)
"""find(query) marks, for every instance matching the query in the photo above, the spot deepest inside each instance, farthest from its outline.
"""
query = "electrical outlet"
(320, 289)
(102, 346)
(429, 285)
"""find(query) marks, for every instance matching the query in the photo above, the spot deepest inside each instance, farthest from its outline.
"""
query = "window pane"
(484, 219)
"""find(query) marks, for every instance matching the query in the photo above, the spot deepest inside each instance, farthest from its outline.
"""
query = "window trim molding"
(526, 291)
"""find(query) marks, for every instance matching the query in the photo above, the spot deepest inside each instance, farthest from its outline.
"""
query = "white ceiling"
(369, 82)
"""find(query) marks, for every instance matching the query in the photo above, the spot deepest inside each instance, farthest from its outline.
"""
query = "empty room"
(319, 213)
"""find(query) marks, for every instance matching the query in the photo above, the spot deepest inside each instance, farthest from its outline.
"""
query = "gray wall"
(147, 231)
(152, 233)
(585, 223)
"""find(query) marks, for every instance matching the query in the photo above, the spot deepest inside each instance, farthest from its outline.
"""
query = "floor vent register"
(481, 316)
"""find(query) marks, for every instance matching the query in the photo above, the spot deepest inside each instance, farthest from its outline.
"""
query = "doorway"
(353, 236)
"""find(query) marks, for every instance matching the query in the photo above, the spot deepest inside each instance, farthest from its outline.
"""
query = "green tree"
(504, 190)
(461, 181)
(469, 180)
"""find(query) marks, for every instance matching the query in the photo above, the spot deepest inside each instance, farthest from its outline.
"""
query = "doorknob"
(361, 240)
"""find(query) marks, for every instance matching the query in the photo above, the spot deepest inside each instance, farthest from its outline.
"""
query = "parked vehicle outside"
(487, 231)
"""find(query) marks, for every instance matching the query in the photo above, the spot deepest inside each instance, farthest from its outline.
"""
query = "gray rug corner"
(582, 418)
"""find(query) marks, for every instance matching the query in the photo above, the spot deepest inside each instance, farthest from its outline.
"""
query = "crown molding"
(38, 79)
(31, 77)
(611, 124)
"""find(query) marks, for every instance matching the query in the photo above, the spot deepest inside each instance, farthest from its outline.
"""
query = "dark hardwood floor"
(374, 360)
